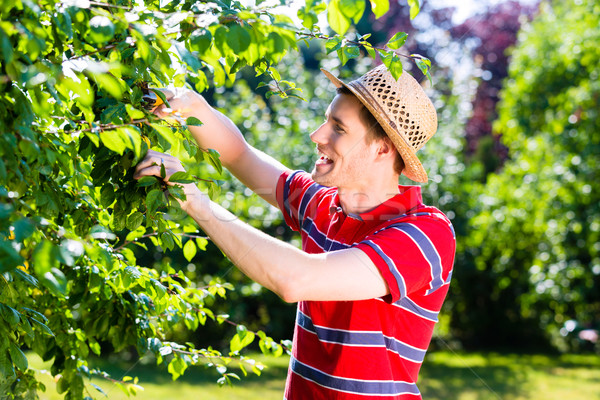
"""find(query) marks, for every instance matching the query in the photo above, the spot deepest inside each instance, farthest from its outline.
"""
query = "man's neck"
(357, 201)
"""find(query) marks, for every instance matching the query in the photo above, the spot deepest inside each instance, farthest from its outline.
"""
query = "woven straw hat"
(403, 110)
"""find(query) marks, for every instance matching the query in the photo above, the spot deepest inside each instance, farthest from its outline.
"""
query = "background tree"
(73, 76)
(535, 232)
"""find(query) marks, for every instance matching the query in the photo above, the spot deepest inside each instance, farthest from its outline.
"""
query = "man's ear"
(386, 148)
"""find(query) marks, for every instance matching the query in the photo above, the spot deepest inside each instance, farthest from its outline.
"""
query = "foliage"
(494, 32)
(533, 242)
(73, 76)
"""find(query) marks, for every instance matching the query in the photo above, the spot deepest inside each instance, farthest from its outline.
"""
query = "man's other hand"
(155, 162)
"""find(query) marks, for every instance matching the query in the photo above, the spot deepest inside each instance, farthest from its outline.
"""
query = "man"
(375, 263)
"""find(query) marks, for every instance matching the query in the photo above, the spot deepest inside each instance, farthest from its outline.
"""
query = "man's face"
(344, 156)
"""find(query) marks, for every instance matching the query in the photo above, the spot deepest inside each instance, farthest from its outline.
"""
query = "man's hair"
(374, 129)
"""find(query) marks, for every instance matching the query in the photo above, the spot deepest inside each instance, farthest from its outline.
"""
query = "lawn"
(444, 376)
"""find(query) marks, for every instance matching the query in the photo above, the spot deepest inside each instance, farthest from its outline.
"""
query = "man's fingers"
(153, 170)
(153, 158)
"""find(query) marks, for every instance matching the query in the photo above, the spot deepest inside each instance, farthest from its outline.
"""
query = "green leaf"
(23, 228)
(98, 388)
(337, 20)
(107, 195)
(166, 241)
(353, 9)
(414, 8)
(193, 121)
(135, 234)
(114, 141)
(56, 281)
(238, 38)
(393, 63)
(7, 371)
(181, 177)
(42, 326)
(18, 357)
(347, 53)
(371, 51)
(214, 159)
(9, 257)
(132, 139)
(241, 339)
(134, 220)
(44, 258)
(333, 44)
(200, 40)
(147, 181)
(154, 199)
(101, 29)
(109, 83)
(189, 250)
(201, 243)
(424, 65)
(397, 40)
(10, 315)
(176, 367)
(380, 7)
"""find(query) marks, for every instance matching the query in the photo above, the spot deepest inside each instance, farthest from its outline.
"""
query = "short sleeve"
(415, 256)
(298, 197)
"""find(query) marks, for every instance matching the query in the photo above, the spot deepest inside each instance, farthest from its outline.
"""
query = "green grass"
(444, 376)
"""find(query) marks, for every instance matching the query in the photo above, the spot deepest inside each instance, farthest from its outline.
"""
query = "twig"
(99, 4)
(112, 46)
(156, 234)
(354, 42)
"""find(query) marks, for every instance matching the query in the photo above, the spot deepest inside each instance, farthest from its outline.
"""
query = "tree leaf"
(147, 181)
(107, 195)
(337, 20)
(7, 370)
(42, 326)
(18, 357)
(424, 65)
(214, 159)
(397, 40)
(200, 40)
(10, 315)
(333, 44)
(56, 281)
(414, 8)
(23, 228)
(238, 38)
(181, 177)
(134, 220)
(189, 250)
(380, 7)
(43, 259)
(193, 121)
(353, 9)
(113, 140)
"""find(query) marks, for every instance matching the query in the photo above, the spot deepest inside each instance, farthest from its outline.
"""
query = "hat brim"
(413, 169)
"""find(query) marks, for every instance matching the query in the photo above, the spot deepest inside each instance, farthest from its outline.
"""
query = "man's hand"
(152, 165)
(183, 103)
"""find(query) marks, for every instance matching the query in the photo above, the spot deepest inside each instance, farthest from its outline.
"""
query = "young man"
(375, 263)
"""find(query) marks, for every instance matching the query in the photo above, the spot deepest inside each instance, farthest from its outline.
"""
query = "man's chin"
(321, 179)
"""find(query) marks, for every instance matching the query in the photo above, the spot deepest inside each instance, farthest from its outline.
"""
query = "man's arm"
(291, 273)
(252, 167)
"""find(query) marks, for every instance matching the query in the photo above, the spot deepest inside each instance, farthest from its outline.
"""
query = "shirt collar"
(408, 198)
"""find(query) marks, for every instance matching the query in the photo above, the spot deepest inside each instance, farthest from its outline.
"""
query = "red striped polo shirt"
(368, 349)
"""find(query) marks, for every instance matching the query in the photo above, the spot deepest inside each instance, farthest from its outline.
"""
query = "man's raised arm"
(252, 167)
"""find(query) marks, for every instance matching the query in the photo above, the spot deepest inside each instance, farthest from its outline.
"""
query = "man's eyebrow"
(338, 121)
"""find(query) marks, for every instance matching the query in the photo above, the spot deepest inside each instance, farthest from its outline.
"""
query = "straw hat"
(403, 110)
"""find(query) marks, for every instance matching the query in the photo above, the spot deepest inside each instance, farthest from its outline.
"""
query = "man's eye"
(339, 129)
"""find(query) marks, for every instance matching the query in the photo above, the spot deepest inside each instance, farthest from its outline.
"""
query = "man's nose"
(319, 136)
